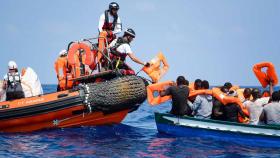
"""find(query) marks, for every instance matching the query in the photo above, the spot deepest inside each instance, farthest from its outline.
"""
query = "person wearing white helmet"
(60, 66)
(63, 53)
(110, 21)
(120, 49)
(12, 82)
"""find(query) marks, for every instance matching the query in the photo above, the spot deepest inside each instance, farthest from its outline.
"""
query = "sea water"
(137, 136)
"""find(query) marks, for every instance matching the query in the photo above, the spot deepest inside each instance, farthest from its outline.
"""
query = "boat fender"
(157, 87)
(84, 93)
(265, 77)
(154, 70)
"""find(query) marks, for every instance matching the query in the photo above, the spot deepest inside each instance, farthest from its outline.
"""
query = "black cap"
(114, 5)
(228, 85)
(130, 32)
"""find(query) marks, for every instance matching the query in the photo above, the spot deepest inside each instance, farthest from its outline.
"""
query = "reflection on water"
(120, 141)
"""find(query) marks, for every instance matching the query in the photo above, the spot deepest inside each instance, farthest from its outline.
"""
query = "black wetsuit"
(231, 112)
(179, 100)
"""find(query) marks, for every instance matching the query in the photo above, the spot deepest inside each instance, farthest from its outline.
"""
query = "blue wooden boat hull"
(165, 125)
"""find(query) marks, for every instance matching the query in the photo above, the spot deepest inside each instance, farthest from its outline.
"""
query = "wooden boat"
(259, 135)
(89, 104)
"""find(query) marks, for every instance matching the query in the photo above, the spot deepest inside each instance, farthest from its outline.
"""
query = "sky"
(216, 40)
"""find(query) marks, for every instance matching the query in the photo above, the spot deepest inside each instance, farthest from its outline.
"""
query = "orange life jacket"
(265, 77)
(155, 71)
(194, 93)
(224, 99)
(157, 87)
(102, 44)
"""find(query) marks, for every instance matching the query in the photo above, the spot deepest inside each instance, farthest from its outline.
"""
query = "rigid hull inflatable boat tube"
(100, 103)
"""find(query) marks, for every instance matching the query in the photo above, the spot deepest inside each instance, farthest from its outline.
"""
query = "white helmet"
(62, 52)
(12, 65)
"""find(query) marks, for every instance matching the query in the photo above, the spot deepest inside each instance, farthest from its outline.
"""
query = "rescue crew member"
(61, 70)
(12, 82)
(179, 94)
(110, 21)
(120, 49)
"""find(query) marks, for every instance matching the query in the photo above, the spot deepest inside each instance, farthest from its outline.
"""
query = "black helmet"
(114, 5)
(130, 32)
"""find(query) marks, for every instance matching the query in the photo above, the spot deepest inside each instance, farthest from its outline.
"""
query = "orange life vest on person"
(102, 44)
(265, 77)
(234, 88)
(155, 71)
(265, 94)
(61, 70)
(157, 87)
(224, 99)
(194, 93)
(191, 86)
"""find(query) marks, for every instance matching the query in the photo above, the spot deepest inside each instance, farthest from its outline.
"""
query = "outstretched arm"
(135, 59)
(165, 92)
(270, 88)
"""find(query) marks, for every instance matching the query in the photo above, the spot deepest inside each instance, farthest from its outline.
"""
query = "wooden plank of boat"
(215, 125)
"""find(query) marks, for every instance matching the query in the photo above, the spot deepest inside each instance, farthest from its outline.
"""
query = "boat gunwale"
(56, 105)
(274, 127)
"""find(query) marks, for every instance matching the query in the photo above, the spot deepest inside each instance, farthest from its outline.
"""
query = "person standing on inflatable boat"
(110, 22)
(120, 49)
(12, 82)
(60, 66)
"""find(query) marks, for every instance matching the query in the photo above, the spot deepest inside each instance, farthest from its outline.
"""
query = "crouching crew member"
(120, 49)
(12, 82)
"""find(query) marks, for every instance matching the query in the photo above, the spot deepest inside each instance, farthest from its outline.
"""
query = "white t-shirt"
(255, 109)
(124, 48)
(118, 26)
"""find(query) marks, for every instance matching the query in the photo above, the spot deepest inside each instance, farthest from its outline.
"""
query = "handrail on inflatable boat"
(106, 74)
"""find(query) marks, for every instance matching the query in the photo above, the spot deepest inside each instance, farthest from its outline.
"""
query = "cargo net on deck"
(120, 93)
